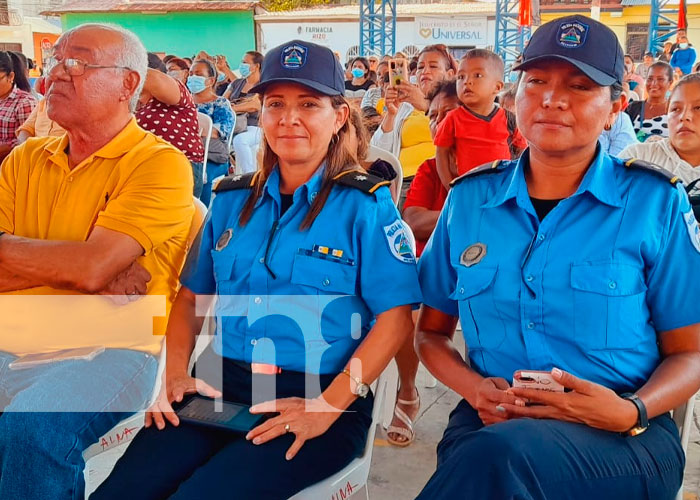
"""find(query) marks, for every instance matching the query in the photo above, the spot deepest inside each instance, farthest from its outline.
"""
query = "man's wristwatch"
(361, 389)
(642, 421)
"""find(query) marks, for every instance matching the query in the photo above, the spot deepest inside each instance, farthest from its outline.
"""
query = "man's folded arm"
(85, 266)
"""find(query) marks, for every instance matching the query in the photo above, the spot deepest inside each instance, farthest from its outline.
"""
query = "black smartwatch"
(642, 421)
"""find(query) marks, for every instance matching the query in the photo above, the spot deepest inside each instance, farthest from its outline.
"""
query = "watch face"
(362, 390)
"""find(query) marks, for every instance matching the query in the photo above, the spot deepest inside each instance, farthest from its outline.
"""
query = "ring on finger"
(287, 428)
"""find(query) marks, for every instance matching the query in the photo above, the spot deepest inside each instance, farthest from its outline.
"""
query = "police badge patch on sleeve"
(397, 239)
(693, 230)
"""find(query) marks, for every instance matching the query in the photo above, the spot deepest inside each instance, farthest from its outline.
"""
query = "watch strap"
(642, 419)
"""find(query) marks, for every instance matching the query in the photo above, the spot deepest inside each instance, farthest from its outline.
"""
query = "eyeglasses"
(76, 67)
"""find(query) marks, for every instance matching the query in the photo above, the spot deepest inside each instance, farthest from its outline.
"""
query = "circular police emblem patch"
(399, 243)
(294, 56)
(223, 240)
(473, 254)
(693, 230)
(572, 35)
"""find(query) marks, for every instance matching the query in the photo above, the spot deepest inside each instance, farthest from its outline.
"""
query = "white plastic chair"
(352, 480)
(683, 417)
(124, 431)
(205, 128)
(373, 154)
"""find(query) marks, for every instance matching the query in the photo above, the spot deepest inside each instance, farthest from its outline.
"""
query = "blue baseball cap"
(587, 44)
(303, 63)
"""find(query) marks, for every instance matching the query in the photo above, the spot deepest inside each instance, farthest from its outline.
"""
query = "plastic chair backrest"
(230, 136)
(683, 417)
(374, 153)
(205, 127)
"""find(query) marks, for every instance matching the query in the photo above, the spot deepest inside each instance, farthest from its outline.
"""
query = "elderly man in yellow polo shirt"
(89, 218)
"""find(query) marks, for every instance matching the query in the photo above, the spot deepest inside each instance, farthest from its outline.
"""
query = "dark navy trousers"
(192, 462)
(528, 459)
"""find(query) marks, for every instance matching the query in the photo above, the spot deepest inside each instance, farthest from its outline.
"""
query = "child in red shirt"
(479, 131)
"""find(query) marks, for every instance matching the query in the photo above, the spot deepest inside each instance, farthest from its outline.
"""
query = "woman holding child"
(547, 266)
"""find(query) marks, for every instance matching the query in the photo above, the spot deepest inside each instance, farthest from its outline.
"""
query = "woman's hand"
(587, 403)
(306, 418)
(174, 389)
(491, 398)
(412, 95)
(391, 100)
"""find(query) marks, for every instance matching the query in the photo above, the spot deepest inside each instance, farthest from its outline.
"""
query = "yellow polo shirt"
(137, 184)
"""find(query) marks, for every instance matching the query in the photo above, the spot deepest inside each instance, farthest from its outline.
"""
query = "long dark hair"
(11, 63)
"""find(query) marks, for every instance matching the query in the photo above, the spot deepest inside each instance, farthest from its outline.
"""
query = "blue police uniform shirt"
(330, 283)
(586, 289)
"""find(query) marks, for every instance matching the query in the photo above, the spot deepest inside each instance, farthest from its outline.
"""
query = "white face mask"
(683, 45)
(413, 79)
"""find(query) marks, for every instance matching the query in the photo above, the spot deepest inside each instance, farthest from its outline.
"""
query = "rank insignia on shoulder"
(651, 167)
(359, 179)
(238, 181)
(489, 168)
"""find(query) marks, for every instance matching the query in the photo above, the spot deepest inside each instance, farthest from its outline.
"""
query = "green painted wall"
(184, 34)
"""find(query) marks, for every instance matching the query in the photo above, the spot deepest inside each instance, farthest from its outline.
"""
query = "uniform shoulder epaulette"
(651, 167)
(489, 168)
(238, 181)
(359, 179)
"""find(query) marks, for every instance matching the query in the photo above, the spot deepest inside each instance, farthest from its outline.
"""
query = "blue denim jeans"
(214, 170)
(52, 413)
(197, 168)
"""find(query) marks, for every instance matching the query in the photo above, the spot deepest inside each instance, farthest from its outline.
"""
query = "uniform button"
(540, 237)
(70, 179)
(612, 285)
(313, 195)
(461, 290)
(326, 282)
(258, 300)
(530, 325)
(530, 278)
(261, 260)
(253, 342)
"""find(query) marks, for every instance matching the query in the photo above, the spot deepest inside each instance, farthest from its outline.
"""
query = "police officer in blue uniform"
(576, 264)
(314, 278)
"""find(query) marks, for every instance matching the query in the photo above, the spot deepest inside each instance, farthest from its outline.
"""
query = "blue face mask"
(358, 72)
(220, 78)
(244, 69)
(196, 84)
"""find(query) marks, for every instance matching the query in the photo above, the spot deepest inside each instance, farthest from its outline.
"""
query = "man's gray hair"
(132, 54)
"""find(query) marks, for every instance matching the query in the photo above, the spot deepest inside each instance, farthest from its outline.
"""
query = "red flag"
(682, 15)
(525, 13)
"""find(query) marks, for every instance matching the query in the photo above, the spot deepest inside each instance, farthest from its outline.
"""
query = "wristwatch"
(361, 389)
(642, 421)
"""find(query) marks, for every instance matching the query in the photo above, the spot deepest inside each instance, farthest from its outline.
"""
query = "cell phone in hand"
(398, 69)
(534, 379)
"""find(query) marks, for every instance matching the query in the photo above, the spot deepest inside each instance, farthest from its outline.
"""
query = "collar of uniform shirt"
(312, 186)
(597, 181)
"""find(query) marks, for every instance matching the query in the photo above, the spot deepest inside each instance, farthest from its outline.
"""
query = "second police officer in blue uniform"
(574, 263)
(314, 275)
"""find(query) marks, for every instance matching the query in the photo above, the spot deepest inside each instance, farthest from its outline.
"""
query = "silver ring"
(286, 428)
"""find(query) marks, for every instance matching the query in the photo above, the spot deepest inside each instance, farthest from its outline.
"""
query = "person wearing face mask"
(635, 81)
(357, 86)
(246, 105)
(201, 83)
(166, 108)
(178, 69)
(684, 56)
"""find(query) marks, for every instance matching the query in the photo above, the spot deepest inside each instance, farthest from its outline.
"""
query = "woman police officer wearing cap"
(304, 256)
(571, 262)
